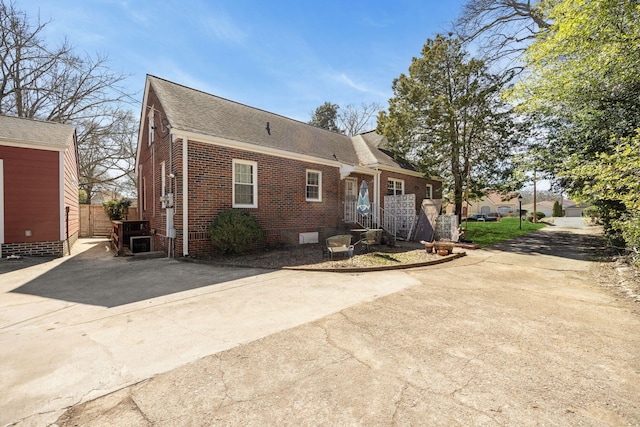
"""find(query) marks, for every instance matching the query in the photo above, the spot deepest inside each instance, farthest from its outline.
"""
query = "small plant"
(234, 231)
(117, 209)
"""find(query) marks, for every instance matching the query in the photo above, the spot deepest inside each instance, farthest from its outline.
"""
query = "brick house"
(199, 154)
(38, 187)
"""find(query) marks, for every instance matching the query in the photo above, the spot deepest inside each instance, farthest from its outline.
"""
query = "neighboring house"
(491, 203)
(545, 206)
(38, 187)
(572, 208)
(199, 154)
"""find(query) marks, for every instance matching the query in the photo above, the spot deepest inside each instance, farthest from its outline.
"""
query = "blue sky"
(287, 57)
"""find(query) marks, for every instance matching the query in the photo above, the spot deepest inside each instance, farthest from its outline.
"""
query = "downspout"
(185, 196)
(376, 195)
(61, 195)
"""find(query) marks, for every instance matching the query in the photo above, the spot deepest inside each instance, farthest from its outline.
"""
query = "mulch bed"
(311, 257)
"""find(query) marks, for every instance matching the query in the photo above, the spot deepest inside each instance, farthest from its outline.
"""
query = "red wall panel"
(32, 194)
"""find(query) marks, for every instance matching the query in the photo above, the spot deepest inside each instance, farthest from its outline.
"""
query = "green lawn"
(490, 233)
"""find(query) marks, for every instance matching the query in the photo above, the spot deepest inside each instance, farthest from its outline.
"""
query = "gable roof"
(191, 110)
(23, 132)
(199, 112)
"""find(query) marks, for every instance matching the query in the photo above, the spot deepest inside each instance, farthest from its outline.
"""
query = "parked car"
(492, 216)
(477, 217)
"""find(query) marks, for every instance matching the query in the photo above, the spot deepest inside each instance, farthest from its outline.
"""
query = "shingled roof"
(199, 112)
(195, 111)
(22, 131)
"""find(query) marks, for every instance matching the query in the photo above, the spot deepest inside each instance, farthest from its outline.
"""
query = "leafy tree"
(446, 115)
(584, 89)
(326, 116)
(557, 209)
(54, 84)
(117, 209)
(610, 181)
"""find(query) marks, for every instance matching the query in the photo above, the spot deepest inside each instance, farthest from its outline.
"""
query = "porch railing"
(378, 218)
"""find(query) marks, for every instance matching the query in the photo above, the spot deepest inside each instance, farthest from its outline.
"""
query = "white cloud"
(223, 28)
(360, 87)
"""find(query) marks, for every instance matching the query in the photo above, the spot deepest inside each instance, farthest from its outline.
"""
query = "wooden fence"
(94, 221)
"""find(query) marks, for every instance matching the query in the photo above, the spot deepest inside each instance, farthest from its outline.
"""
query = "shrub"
(234, 231)
(557, 209)
(117, 209)
(539, 216)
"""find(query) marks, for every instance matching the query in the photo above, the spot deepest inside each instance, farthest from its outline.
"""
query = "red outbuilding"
(39, 213)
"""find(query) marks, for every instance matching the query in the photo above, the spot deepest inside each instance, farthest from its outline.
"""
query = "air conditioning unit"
(140, 244)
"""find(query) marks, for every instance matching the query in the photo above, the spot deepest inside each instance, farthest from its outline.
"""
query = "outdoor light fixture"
(520, 209)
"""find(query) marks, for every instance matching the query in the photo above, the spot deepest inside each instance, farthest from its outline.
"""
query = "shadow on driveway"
(96, 277)
(565, 244)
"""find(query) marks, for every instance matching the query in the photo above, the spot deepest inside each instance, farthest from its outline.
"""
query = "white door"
(350, 199)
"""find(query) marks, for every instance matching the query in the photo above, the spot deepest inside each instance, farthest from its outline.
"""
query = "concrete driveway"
(79, 327)
(519, 334)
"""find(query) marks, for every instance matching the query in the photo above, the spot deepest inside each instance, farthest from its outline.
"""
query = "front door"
(350, 199)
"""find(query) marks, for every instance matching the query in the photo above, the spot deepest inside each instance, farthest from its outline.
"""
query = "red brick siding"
(412, 185)
(282, 207)
(56, 249)
(150, 160)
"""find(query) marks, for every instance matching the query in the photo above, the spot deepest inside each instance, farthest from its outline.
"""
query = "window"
(163, 177)
(151, 126)
(314, 186)
(504, 210)
(144, 194)
(429, 191)
(395, 187)
(245, 184)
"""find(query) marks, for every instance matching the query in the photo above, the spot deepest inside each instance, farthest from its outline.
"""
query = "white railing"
(376, 219)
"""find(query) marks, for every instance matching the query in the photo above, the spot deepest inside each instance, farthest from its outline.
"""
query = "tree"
(584, 88)
(557, 209)
(447, 116)
(611, 180)
(325, 117)
(54, 84)
(354, 120)
(501, 28)
(107, 154)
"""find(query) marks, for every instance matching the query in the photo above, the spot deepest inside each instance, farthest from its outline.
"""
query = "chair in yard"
(339, 244)
(369, 238)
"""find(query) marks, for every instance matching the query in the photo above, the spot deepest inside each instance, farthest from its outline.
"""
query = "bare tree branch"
(55, 84)
(501, 28)
(353, 120)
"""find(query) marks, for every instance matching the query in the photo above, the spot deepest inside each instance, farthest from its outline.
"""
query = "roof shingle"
(35, 132)
(199, 112)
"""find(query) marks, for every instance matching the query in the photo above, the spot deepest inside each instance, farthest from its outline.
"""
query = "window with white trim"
(429, 191)
(144, 193)
(163, 183)
(314, 186)
(245, 184)
(151, 126)
(395, 187)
